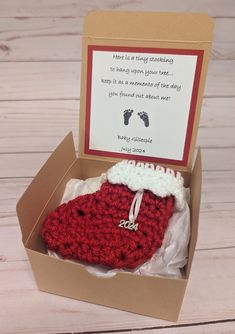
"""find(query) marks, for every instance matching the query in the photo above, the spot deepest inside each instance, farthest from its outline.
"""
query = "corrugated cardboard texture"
(39, 191)
(154, 296)
(195, 187)
(159, 30)
(148, 26)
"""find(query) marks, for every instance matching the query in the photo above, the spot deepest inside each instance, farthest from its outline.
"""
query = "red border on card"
(188, 137)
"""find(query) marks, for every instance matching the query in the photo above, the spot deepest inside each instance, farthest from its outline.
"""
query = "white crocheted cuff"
(138, 176)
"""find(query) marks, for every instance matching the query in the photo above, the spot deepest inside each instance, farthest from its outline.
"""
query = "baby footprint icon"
(145, 118)
(127, 114)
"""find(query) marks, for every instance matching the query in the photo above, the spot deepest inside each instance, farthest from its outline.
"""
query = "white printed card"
(141, 102)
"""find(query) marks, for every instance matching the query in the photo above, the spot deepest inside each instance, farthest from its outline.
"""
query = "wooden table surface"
(40, 59)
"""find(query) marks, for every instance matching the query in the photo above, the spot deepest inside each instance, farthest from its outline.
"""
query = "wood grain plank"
(216, 112)
(11, 190)
(23, 138)
(54, 39)
(217, 206)
(28, 164)
(11, 246)
(220, 79)
(40, 80)
(50, 313)
(71, 8)
(47, 122)
(40, 39)
(216, 137)
(218, 188)
(218, 159)
(223, 46)
(216, 230)
(61, 80)
(32, 136)
(44, 122)
(214, 328)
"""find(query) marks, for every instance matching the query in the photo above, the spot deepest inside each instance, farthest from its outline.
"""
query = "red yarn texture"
(86, 228)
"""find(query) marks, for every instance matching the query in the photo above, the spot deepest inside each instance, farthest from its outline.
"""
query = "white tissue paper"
(166, 261)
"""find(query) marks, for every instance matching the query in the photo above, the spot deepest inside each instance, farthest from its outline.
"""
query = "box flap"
(195, 200)
(148, 26)
(41, 188)
(143, 77)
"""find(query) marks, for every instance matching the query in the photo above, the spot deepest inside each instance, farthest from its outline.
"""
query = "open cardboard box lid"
(115, 48)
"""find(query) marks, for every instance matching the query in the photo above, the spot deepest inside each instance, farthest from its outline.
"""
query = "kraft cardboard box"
(154, 64)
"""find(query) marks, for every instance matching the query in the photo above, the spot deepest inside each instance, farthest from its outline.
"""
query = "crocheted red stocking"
(122, 224)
